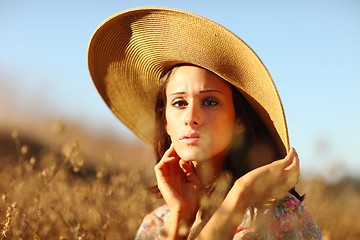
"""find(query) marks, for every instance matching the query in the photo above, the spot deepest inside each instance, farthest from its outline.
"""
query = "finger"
(289, 177)
(170, 152)
(168, 174)
(294, 161)
(169, 156)
(168, 170)
(189, 171)
(288, 160)
(161, 168)
(292, 173)
(165, 163)
(186, 166)
(279, 165)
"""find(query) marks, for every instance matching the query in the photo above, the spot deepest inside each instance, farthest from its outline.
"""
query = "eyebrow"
(202, 91)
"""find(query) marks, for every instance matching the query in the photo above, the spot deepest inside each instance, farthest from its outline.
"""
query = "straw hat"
(130, 50)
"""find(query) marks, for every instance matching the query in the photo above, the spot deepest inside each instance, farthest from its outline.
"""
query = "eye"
(210, 102)
(178, 103)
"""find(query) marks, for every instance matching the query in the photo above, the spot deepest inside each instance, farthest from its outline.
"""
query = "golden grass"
(54, 196)
(335, 207)
(51, 193)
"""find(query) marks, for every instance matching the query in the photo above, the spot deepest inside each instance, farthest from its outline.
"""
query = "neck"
(209, 170)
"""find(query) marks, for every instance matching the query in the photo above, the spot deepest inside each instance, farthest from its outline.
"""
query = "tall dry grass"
(52, 192)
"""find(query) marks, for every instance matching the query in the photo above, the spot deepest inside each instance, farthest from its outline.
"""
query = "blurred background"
(52, 120)
(311, 49)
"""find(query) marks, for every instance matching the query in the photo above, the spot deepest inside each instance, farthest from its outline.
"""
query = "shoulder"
(289, 206)
(290, 216)
(285, 219)
(152, 225)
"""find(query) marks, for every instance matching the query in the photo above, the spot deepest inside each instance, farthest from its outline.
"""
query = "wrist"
(237, 198)
(177, 225)
(182, 215)
(230, 214)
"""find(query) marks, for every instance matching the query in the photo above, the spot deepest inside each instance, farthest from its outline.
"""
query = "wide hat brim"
(129, 52)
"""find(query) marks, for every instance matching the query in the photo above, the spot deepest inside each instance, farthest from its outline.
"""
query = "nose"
(193, 116)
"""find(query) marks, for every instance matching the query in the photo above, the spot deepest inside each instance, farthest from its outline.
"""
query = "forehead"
(193, 78)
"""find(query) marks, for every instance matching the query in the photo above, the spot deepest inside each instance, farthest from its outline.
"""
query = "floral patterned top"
(287, 219)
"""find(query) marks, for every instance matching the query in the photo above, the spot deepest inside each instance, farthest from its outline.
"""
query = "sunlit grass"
(51, 192)
(50, 196)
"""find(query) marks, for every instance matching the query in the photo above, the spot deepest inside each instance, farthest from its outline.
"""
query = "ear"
(239, 127)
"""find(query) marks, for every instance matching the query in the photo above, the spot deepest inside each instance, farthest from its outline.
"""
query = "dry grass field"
(50, 191)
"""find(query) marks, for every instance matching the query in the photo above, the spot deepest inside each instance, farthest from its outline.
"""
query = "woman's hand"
(271, 181)
(263, 184)
(178, 184)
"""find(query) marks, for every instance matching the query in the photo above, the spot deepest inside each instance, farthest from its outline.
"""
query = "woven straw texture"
(130, 50)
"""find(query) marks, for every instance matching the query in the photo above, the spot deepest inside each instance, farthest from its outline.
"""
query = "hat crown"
(130, 51)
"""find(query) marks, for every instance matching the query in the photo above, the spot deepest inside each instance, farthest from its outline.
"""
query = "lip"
(190, 138)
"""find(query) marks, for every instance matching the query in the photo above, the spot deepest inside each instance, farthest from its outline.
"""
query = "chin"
(191, 155)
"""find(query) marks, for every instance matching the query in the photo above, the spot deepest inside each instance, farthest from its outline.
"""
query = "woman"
(224, 166)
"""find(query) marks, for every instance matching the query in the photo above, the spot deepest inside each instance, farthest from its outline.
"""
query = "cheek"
(223, 131)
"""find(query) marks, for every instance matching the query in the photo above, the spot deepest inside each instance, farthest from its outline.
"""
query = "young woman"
(224, 166)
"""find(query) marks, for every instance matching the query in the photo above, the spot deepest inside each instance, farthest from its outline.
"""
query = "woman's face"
(200, 114)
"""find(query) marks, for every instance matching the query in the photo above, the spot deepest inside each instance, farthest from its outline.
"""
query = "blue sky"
(311, 49)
